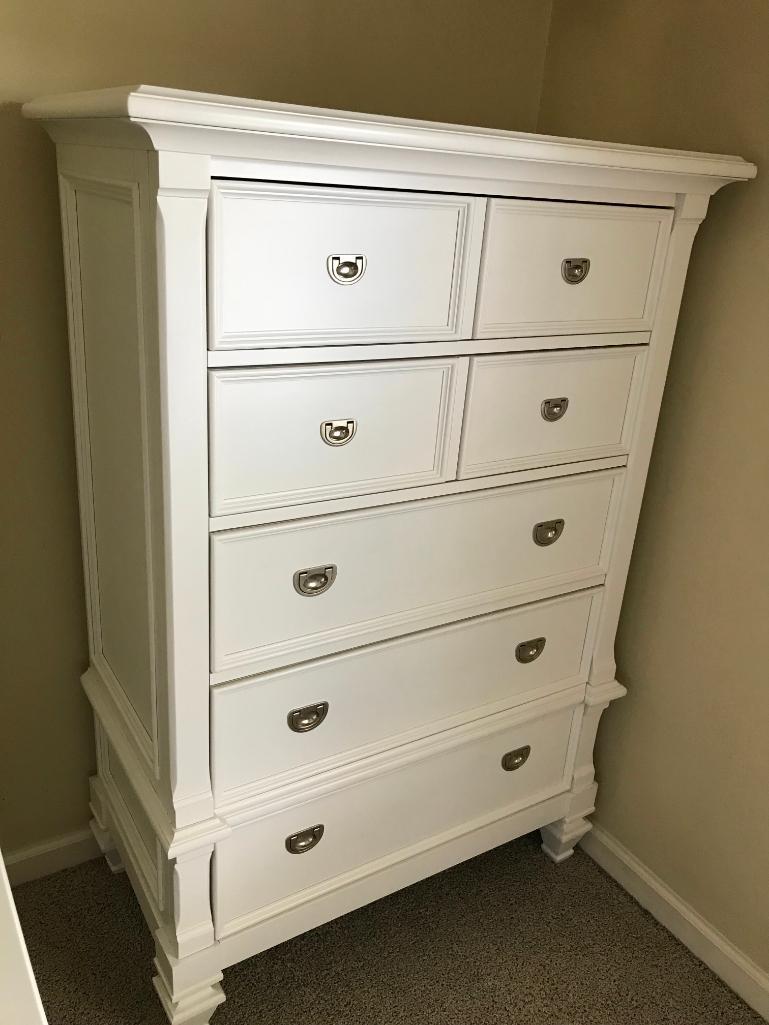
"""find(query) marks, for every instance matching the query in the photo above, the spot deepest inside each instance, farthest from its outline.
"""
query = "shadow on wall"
(42, 612)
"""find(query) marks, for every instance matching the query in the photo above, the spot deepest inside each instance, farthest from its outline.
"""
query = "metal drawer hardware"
(515, 759)
(305, 840)
(314, 580)
(338, 432)
(553, 409)
(346, 269)
(302, 720)
(575, 269)
(529, 651)
(548, 532)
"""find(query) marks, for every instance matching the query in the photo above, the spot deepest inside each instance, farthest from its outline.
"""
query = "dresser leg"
(191, 1006)
(100, 822)
(107, 846)
(560, 838)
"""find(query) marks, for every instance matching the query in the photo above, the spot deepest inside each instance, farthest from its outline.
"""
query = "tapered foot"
(107, 846)
(560, 838)
(193, 1006)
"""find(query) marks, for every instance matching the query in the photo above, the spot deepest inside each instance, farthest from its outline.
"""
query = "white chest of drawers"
(364, 409)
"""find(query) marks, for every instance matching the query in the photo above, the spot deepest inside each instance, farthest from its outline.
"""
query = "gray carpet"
(505, 939)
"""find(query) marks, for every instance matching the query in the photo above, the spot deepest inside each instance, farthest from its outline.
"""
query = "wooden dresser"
(364, 409)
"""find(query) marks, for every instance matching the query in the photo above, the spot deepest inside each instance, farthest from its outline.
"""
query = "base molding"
(733, 967)
(43, 859)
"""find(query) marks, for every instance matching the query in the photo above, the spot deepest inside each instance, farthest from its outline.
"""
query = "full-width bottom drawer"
(460, 781)
(284, 725)
(295, 591)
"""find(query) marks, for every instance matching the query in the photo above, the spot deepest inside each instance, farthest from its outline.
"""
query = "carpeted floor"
(505, 939)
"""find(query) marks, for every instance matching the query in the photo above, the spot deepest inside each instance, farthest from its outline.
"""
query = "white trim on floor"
(42, 859)
(720, 955)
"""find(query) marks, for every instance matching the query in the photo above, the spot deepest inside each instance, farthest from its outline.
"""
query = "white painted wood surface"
(20, 1002)
(523, 290)
(267, 446)
(389, 811)
(398, 569)
(178, 279)
(506, 426)
(388, 694)
(271, 244)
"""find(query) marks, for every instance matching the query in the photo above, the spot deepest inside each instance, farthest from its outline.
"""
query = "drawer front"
(390, 809)
(300, 434)
(535, 279)
(300, 265)
(396, 569)
(298, 721)
(547, 409)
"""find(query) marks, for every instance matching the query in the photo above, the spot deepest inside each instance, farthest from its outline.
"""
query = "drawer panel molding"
(398, 426)
(392, 693)
(400, 568)
(549, 409)
(527, 285)
(275, 253)
(428, 793)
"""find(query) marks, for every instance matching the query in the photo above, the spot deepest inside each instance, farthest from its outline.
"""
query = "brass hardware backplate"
(554, 409)
(574, 269)
(338, 432)
(346, 268)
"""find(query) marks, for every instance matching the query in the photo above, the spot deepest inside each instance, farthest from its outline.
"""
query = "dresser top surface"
(148, 105)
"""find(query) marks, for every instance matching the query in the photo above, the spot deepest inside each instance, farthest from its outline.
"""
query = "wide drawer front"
(569, 266)
(297, 721)
(310, 843)
(296, 590)
(547, 409)
(299, 434)
(302, 265)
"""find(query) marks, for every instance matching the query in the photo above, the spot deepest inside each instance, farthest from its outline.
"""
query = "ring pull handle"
(548, 532)
(554, 409)
(305, 839)
(515, 759)
(346, 269)
(309, 717)
(574, 269)
(338, 432)
(314, 580)
(529, 651)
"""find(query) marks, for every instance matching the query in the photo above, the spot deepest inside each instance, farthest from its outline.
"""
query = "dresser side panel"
(106, 283)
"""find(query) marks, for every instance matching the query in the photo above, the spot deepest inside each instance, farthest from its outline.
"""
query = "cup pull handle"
(305, 839)
(548, 532)
(515, 759)
(309, 717)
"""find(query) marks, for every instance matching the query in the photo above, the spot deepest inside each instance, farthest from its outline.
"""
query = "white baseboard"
(720, 955)
(38, 860)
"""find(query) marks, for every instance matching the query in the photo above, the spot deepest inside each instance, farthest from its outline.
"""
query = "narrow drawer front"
(297, 590)
(300, 265)
(547, 409)
(287, 435)
(392, 809)
(575, 266)
(296, 721)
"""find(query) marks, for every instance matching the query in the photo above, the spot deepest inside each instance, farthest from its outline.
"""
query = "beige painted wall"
(683, 761)
(478, 63)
